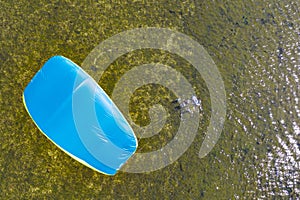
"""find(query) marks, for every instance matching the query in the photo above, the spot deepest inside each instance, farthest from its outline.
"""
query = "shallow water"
(255, 46)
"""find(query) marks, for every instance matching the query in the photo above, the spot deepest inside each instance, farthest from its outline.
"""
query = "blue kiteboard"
(75, 113)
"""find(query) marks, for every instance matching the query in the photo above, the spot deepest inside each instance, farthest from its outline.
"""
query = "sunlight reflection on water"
(279, 172)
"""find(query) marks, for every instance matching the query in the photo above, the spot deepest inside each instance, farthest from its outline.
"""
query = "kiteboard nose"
(75, 113)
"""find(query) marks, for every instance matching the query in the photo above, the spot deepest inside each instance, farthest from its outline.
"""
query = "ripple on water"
(278, 174)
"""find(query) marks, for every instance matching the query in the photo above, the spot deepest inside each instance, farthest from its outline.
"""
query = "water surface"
(255, 45)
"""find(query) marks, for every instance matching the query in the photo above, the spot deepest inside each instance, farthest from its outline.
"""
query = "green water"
(255, 45)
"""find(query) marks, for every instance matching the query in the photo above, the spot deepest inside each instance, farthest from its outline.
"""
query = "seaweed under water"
(255, 46)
